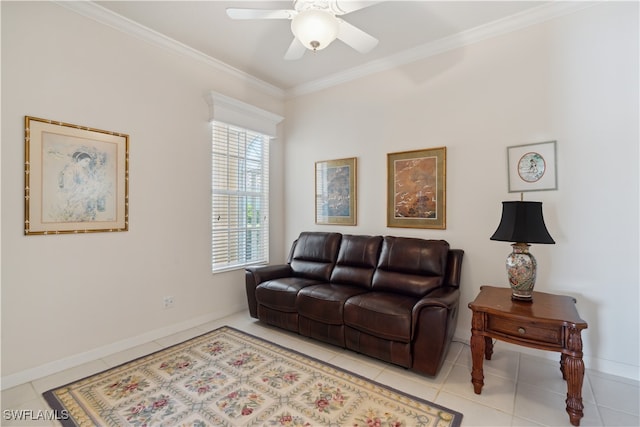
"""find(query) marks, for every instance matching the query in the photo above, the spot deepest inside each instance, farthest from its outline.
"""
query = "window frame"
(240, 181)
(237, 114)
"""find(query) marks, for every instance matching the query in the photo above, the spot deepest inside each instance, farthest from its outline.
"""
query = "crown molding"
(105, 16)
(536, 15)
(228, 110)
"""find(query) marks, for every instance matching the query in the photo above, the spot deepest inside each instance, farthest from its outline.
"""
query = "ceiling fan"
(315, 24)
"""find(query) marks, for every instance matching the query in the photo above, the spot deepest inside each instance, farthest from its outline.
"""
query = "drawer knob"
(521, 330)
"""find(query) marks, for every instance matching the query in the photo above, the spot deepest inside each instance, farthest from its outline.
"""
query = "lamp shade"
(316, 29)
(522, 222)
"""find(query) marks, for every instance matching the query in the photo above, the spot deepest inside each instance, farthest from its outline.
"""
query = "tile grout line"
(454, 362)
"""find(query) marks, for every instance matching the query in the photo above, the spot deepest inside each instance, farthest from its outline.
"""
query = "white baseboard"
(12, 380)
(60, 365)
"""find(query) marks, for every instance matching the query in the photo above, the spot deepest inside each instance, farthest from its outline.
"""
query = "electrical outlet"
(168, 302)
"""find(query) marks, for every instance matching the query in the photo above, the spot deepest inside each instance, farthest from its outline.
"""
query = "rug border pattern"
(60, 398)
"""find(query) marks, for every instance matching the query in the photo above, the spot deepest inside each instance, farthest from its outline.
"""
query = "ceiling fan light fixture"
(315, 28)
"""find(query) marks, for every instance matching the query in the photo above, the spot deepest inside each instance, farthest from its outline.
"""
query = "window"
(241, 134)
(240, 197)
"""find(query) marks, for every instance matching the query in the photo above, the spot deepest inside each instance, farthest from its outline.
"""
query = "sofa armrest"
(265, 273)
(454, 267)
(445, 297)
(255, 275)
(434, 321)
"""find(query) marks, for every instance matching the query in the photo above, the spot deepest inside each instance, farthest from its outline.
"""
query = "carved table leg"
(573, 370)
(563, 358)
(478, 350)
(488, 348)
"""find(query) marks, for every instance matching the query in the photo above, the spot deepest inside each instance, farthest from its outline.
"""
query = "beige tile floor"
(519, 390)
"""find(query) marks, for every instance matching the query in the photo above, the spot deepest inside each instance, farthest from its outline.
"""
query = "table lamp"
(522, 223)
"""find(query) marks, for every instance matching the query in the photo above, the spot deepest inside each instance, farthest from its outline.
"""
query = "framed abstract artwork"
(336, 192)
(76, 179)
(532, 167)
(416, 188)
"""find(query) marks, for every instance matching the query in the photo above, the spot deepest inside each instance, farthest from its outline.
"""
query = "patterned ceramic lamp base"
(521, 268)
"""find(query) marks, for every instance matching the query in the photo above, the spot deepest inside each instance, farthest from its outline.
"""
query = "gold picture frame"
(416, 188)
(336, 191)
(76, 179)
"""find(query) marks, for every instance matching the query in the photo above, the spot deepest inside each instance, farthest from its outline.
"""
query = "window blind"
(240, 197)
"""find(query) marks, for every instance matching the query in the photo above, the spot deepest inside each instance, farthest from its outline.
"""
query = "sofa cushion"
(315, 255)
(399, 353)
(410, 266)
(325, 303)
(381, 314)
(280, 294)
(357, 260)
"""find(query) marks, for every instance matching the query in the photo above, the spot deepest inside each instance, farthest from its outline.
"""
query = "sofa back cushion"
(410, 266)
(357, 260)
(314, 255)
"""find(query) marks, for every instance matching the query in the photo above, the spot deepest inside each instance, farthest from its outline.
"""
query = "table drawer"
(542, 333)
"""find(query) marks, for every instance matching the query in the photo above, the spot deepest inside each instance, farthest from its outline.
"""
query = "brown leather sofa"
(392, 298)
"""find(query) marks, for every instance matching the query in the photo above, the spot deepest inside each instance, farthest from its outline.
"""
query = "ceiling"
(405, 29)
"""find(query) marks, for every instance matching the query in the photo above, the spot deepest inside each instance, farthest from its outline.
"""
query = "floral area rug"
(229, 378)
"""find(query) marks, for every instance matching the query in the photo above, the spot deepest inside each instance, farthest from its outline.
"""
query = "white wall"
(68, 298)
(573, 79)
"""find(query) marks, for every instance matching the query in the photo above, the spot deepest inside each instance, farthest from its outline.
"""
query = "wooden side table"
(549, 322)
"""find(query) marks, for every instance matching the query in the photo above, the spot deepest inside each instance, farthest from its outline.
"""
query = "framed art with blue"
(76, 179)
(336, 192)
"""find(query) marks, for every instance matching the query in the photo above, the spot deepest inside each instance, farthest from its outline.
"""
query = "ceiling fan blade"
(234, 13)
(342, 7)
(356, 38)
(295, 51)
